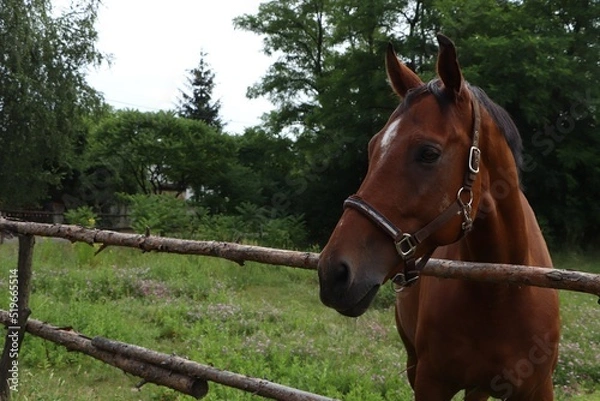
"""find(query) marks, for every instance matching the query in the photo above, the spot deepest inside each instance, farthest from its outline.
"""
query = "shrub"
(163, 214)
(82, 216)
(285, 232)
(169, 216)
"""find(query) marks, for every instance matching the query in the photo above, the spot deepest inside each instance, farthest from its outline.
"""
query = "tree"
(44, 96)
(330, 92)
(197, 104)
(539, 60)
(298, 31)
(160, 152)
(268, 159)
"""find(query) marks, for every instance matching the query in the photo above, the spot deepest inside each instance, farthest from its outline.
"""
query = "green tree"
(160, 152)
(296, 30)
(330, 92)
(269, 160)
(539, 60)
(44, 96)
(197, 104)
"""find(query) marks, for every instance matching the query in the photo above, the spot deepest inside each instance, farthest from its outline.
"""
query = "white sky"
(154, 44)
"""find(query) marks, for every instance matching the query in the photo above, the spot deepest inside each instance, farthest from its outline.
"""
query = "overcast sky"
(153, 44)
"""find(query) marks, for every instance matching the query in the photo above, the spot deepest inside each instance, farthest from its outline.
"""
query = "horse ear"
(447, 66)
(401, 78)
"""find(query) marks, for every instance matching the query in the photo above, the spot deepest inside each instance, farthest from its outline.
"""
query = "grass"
(258, 320)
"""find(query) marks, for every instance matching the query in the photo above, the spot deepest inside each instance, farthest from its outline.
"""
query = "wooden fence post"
(19, 288)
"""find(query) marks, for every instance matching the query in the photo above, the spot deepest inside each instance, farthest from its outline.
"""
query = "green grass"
(258, 320)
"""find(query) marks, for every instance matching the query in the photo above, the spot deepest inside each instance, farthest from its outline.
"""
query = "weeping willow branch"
(515, 274)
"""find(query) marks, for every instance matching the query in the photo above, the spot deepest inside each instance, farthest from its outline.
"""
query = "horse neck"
(499, 232)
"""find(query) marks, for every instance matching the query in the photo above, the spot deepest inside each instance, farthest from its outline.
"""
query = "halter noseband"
(406, 244)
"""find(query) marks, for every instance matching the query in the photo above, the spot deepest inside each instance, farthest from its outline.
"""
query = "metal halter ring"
(399, 282)
(462, 203)
(467, 207)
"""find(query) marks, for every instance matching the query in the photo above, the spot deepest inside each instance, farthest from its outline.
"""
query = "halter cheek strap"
(406, 244)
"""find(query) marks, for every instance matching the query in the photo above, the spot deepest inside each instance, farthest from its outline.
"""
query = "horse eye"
(429, 154)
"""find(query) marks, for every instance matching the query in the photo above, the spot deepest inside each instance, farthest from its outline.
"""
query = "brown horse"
(445, 170)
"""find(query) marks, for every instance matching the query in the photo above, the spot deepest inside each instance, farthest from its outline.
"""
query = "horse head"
(420, 187)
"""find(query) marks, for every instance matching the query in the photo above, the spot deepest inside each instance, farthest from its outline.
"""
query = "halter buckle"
(474, 156)
(406, 246)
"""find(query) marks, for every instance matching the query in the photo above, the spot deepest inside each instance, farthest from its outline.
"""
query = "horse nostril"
(340, 272)
(334, 280)
(334, 274)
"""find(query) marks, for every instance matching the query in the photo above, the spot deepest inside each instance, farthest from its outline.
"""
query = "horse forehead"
(388, 136)
(422, 116)
(406, 124)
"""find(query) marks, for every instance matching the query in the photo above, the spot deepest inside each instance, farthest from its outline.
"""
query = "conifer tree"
(196, 102)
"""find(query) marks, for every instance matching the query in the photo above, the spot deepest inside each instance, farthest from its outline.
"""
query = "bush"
(168, 216)
(163, 215)
(83, 216)
(286, 232)
(221, 227)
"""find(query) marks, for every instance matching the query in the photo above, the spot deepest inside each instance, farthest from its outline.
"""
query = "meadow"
(263, 321)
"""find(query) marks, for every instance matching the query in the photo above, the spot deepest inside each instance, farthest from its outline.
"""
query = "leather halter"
(406, 244)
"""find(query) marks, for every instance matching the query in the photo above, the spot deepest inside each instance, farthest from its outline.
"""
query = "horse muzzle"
(339, 290)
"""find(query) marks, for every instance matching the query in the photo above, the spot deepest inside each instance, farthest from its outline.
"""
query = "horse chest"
(457, 333)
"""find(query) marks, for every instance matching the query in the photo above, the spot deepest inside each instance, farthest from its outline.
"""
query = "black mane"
(499, 115)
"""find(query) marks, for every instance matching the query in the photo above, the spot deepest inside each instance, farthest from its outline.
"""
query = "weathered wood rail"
(183, 375)
(239, 253)
(186, 376)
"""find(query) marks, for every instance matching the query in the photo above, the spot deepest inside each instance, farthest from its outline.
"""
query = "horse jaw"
(355, 310)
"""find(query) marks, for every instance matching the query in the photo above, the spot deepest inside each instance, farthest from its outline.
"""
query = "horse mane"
(499, 115)
(504, 122)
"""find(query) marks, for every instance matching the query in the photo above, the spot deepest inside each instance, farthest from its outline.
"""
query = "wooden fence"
(109, 221)
(180, 374)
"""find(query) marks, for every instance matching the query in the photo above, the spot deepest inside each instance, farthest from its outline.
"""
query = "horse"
(443, 181)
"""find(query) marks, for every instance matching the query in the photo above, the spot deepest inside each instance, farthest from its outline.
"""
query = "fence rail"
(185, 376)
(108, 221)
(190, 377)
(239, 253)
